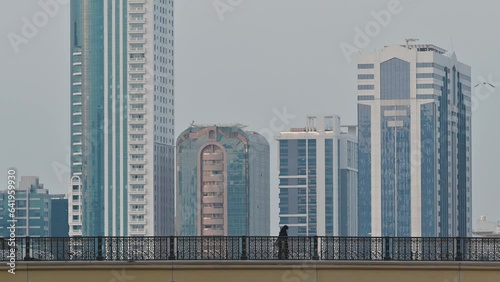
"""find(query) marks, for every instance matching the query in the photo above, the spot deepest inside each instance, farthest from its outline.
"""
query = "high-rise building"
(222, 182)
(32, 209)
(318, 178)
(414, 115)
(122, 118)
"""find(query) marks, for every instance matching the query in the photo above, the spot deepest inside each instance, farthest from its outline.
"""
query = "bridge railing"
(249, 248)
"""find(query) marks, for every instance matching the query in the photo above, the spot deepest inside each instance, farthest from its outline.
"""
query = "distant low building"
(487, 228)
(32, 207)
(59, 216)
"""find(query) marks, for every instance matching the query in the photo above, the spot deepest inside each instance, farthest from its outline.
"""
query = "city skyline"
(284, 90)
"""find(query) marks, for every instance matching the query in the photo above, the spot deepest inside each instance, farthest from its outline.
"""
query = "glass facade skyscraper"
(223, 186)
(318, 178)
(122, 118)
(414, 115)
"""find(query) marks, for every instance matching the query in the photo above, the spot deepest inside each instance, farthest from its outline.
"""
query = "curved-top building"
(223, 184)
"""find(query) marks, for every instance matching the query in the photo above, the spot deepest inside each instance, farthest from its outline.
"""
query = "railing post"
(28, 248)
(99, 248)
(244, 249)
(387, 243)
(316, 252)
(172, 248)
(458, 255)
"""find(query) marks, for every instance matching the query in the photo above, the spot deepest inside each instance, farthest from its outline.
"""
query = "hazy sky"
(259, 57)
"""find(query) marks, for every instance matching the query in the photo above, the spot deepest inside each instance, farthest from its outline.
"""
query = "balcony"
(137, 50)
(137, 111)
(77, 192)
(137, 161)
(137, 10)
(137, 121)
(208, 200)
(216, 177)
(137, 70)
(138, 221)
(137, 81)
(213, 221)
(137, 151)
(137, 101)
(213, 157)
(136, 141)
(133, 201)
(211, 167)
(137, 40)
(75, 233)
(213, 210)
(213, 188)
(137, 60)
(133, 232)
(138, 212)
(133, 20)
(137, 91)
(137, 181)
(136, 1)
(137, 191)
(137, 171)
(137, 30)
(137, 131)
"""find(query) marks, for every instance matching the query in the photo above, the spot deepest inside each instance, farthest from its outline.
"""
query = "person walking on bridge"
(283, 243)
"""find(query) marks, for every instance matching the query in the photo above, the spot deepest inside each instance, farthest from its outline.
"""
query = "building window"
(365, 66)
(366, 76)
(365, 87)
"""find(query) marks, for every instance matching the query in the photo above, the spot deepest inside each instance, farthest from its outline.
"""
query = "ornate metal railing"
(250, 248)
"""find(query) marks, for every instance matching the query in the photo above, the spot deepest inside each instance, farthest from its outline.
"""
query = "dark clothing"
(283, 233)
(283, 243)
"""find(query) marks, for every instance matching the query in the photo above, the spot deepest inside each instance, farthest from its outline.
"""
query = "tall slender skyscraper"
(318, 169)
(122, 117)
(414, 115)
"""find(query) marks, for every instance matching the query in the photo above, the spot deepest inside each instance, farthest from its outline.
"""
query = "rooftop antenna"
(410, 40)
